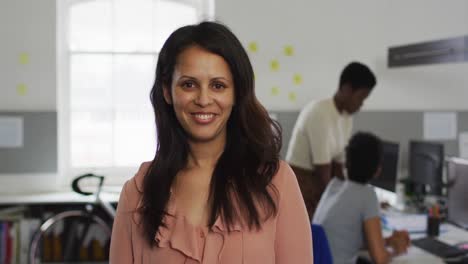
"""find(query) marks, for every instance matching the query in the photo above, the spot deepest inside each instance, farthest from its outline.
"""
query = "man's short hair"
(358, 76)
(363, 157)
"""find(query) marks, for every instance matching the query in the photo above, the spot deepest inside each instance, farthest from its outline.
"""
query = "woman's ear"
(167, 94)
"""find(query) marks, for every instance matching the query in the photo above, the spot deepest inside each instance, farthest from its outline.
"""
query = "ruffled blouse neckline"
(181, 235)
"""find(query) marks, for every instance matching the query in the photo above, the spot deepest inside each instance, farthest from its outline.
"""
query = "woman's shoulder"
(133, 188)
(283, 174)
(140, 175)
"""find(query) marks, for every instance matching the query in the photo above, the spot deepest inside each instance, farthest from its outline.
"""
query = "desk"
(107, 194)
(453, 235)
(417, 255)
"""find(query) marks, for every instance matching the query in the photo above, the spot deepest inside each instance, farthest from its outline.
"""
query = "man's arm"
(338, 170)
(312, 184)
(304, 177)
(324, 173)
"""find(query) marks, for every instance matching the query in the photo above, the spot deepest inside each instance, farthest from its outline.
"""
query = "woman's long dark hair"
(242, 176)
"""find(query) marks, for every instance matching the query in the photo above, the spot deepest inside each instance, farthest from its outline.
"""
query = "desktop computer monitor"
(426, 162)
(457, 206)
(388, 177)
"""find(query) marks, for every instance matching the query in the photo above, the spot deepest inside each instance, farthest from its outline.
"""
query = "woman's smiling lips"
(203, 118)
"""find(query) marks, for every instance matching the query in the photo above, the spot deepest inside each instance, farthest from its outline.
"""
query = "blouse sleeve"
(293, 242)
(121, 240)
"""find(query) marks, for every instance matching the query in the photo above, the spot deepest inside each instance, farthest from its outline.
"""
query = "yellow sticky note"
(21, 89)
(292, 96)
(253, 47)
(297, 79)
(274, 65)
(23, 58)
(288, 50)
(275, 90)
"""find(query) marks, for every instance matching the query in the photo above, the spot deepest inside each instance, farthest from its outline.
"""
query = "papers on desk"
(413, 223)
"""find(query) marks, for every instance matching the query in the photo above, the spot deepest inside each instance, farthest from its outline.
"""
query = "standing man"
(317, 146)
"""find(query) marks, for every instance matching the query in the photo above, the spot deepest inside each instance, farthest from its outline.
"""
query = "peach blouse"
(284, 238)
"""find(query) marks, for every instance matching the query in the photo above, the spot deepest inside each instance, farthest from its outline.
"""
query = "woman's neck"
(205, 155)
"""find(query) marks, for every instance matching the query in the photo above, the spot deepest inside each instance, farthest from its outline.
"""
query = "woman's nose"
(203, 98)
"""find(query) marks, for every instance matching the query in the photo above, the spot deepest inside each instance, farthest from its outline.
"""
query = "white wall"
(327, 35)
(27, 27)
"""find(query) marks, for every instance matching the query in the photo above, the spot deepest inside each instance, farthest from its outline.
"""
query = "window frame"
(65, 170)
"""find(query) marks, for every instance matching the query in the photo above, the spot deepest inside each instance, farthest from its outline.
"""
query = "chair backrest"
(322, 252)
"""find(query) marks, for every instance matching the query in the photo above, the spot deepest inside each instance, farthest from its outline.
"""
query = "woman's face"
(202, 94)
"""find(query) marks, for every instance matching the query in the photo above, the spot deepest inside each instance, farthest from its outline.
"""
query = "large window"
(107, 60)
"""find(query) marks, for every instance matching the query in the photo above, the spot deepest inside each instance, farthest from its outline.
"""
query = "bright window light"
(111, 47)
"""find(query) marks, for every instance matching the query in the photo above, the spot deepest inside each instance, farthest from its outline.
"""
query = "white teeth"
(204, 116)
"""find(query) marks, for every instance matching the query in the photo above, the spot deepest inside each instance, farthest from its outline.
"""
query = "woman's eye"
(219, 86)
(188, 84)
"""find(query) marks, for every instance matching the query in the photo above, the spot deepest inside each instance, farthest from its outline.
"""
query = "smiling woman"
(202, 93)
(216, 191)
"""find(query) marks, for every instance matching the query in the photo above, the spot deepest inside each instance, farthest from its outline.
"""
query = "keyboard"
(438, 248)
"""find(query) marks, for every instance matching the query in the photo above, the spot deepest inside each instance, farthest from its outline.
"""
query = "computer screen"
(426, 162)
(388, 177)
(457, 206)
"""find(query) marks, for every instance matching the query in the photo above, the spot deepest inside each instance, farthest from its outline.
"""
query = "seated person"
(349, 210)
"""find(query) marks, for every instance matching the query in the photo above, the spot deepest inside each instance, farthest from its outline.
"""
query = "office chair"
(322, 252)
